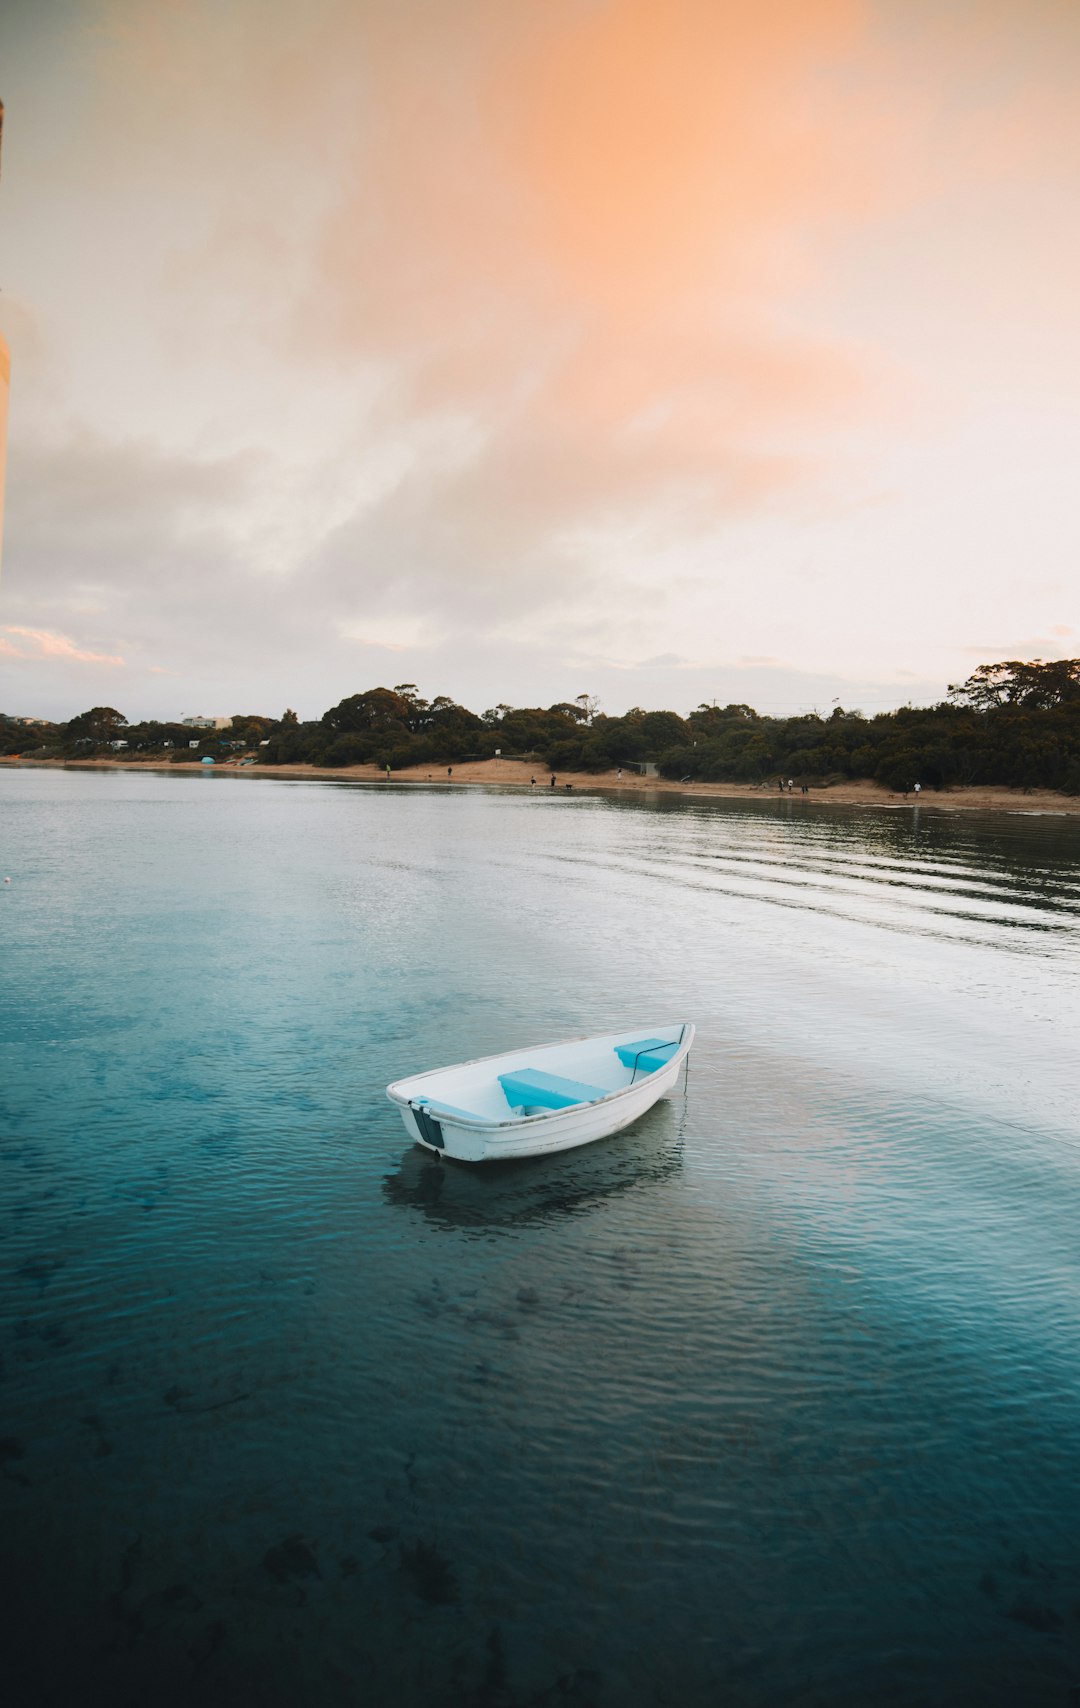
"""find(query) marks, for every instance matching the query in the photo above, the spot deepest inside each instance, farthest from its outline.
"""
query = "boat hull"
(544, 1134)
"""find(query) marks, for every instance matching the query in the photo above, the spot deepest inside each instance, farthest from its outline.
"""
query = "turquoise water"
(773, 1400)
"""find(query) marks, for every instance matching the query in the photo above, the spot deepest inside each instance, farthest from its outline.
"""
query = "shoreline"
(517, 774)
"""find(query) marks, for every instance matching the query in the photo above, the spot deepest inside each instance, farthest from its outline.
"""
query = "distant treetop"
(1034, 684)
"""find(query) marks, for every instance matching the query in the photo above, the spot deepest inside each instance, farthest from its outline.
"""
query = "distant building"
(206, 723)
(193, 744)
(117, 745)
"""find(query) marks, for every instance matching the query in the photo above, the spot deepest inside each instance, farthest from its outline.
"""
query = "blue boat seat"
(531, 1088)
(646, 1056)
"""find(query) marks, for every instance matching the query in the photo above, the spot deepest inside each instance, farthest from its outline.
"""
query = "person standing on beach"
(917, 787)
(449, 770)
(553, 779)
(388, 773)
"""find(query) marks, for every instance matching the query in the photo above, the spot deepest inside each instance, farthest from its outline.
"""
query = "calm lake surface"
(773, 1400)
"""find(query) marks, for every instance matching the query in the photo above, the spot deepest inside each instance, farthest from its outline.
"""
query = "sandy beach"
(518, 774)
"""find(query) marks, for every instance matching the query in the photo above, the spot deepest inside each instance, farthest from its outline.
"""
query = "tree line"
(1015, 723)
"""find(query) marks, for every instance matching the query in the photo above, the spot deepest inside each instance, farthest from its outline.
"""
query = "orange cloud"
(575, 227)
(50, 645)
(659, 139)
(632, 160)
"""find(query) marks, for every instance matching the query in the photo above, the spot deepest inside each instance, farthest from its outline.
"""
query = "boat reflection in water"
(542, 1189)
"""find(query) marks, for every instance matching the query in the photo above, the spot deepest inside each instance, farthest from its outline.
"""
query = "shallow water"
(773, 1400)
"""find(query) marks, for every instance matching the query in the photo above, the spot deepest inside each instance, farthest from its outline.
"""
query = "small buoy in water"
(7, 880)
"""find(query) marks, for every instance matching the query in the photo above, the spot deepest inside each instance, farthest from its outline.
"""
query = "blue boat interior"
(646, 1056)
(489, 1098)
(531, 1088)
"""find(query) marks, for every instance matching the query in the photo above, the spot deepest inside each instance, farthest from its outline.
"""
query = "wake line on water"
(903, 928)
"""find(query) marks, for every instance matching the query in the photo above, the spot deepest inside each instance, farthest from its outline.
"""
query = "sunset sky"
(665, 350)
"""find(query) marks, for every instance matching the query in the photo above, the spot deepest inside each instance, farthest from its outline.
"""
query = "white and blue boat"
(551, 1098)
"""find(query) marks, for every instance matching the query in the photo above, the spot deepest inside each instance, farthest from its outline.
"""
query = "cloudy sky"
(658, 349)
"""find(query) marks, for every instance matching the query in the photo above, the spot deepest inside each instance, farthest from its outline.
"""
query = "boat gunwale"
(489, 1124)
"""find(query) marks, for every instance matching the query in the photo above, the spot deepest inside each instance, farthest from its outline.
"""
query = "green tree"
(660, 730)
(99, 724)
(1034, 684)
(380, 709)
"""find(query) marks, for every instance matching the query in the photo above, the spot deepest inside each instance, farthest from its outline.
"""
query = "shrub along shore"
(1013, 726)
